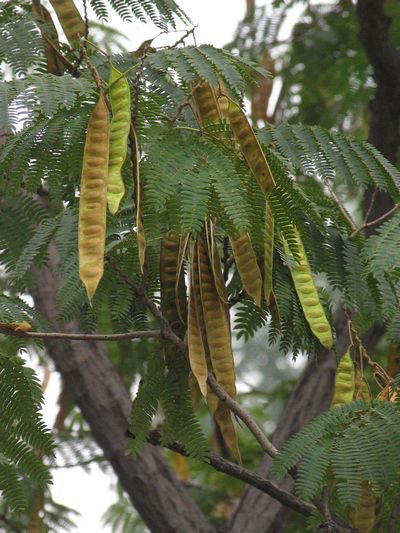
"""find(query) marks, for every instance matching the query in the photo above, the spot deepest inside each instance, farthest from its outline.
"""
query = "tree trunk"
(98, 390)
(257, 512)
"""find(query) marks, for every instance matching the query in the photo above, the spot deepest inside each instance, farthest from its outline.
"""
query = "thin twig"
(185, 36)
(84, 462)
(85, 36)
(223, 465)
(263, 440)
(81, 336)
(377, 220)
(341, 207)
(325, 505)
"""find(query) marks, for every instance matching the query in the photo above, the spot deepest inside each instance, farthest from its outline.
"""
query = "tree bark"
(257, 512)
(98, 390)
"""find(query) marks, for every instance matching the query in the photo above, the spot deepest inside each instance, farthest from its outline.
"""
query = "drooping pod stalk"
(268, 252)
(93, 198)
(308, 295)
(250, 148)
(120, 98)
(246, 263)
(344, 381)
(70, 19)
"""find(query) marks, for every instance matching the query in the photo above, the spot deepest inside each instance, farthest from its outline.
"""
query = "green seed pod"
(120, 98)
(344, 381)
(70, 19)
(93, 199)
(308, 295)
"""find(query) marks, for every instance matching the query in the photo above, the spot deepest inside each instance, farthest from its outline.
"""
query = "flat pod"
(205, 104)
(120, 98)
(49, 33)
(308, 295)
(251, 148)
(216, 318)
(246, 263)
(70, 19)
(93, 199)
(344, 381)
(268, 252)
(363, 517)
(197, 356)
(223, 418)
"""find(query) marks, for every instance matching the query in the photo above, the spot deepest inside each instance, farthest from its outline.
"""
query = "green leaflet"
(120, 98)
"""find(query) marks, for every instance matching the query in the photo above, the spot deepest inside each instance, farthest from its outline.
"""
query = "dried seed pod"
(246, 263)
(173, 289)
(197, 356)
(205, 104)
(344, 381)
(50, 38)
(216, 318)
(216, 264)
(268, 252)
(70, 19)
(120, 98)
(363, 517)
(93, 199)
(251, 148)
(308, 295)
(141, 239)
(223, 418)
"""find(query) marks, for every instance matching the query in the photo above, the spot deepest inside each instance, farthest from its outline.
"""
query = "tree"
(214, 222)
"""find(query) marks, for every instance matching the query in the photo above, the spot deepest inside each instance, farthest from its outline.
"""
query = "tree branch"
(377, 221)
(238, 472)
(81, 336)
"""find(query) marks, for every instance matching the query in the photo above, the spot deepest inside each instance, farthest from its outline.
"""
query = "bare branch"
(81, 336)
(222, 465)
(377, 220)
(263, 440)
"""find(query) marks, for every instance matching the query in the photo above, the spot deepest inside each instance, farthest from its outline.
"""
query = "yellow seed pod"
(268, 252)
(246, 263)
(223, 418)
(363, 517)
(212, 401)
(308, 296)
(197, 356)
(344, 381)
(205, 104)
(251, 148)
(217, 326)
(93, 199)
(70, 19)
(120, 98)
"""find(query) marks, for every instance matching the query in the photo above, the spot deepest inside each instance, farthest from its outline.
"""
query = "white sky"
(91, 494)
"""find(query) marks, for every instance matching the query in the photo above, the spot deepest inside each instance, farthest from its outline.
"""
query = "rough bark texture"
(257, 512)
(97, 388)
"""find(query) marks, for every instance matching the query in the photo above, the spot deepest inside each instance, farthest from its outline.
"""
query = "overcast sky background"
(91, 494)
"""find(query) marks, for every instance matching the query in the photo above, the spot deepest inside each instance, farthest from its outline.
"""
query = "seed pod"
(197, 356)
(224, 420)
(363, 517)
(50, 38)
(251, 148)
(205, 104)
(308, 296)
(141, 239)
(172, 282)
(93, 199)
(216, 264)
(344, 381)
(216, 318)
(120, 98)
(195, 393)
(70, 19)
(268, 252)
(246, 263)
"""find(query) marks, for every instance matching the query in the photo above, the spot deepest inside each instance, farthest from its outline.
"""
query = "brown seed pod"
(204, 104)
(246, 263)
(93, 199)
(223, 418)
(251, 148)
(197, 356)
(268, 252)
(50, 38)
(70, 19)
